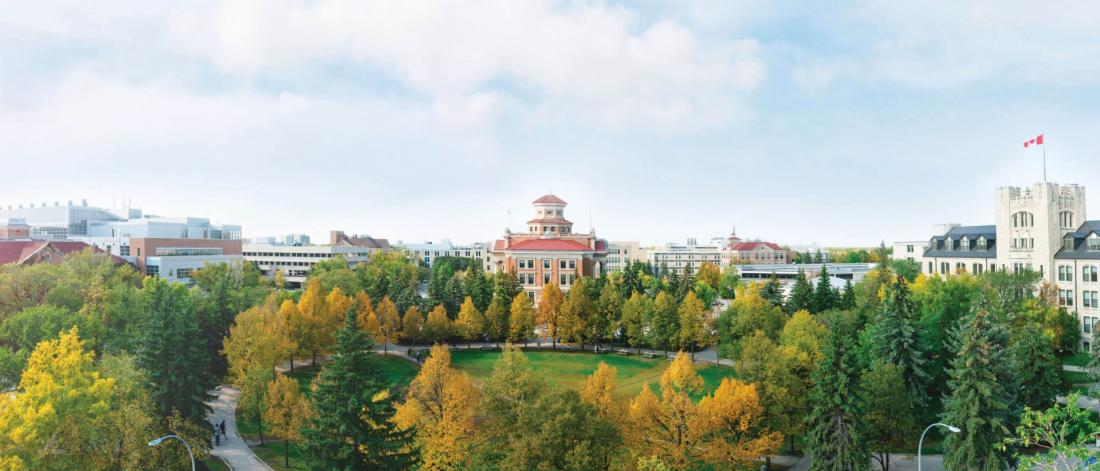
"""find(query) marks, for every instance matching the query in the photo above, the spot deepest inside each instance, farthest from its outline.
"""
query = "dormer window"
(949, 244)
(964, 243)
(1094, 241)
(1067, 242)
(981, 243)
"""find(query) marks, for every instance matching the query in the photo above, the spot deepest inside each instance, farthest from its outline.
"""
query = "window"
(563, 280)
(1065, 297)
(1093, 242)
(183, 273)
(546, 264)
(1065, 273)
(561, 264)
(124, 250)
(572, 264)
(1088, 273)
(530, 278)
(1065, 219)
(929, 268)
(981, 243)
(1067, 242)
(546, 278)
(949, 244)
(964, 243)
(1087, 324)
(1089, 299)
(152, 270)
(909, 248)
(522, 263)
(944, 268)
(1023, 219)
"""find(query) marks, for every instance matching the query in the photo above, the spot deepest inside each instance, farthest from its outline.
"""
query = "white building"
(59, 221)
(911, 250)
(1042, 228)
(428, 251)
(681, 256)
(622, 253)
(296, 261)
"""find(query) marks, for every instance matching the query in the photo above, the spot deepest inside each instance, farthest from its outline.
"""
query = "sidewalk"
(233, 450)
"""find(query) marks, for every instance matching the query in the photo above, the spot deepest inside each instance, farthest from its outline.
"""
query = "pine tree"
(353, 426)
(173, 352)
(1036, 368)
(824, 297)
(978, 400)
(837, 436)
(802, 294)
(773, 291)
(848, 297)
(506, 285)
(894, 339)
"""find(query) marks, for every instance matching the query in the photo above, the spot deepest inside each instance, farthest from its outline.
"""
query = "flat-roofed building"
(296, 261)
(427, 252)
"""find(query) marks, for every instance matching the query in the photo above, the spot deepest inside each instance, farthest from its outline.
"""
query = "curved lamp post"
(951, 428)
(177, 437)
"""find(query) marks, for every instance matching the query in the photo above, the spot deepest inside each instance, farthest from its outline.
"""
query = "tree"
(709, 274)
(173, 352)
(62, 400)
(470, 323)
(285, 411)
(599, 391)
(694, 329)
(550, 301)
(824, 297)
(412, 325)
(837, 436)
(979, 402)
(847, 299)
(773, 291)
(478, 287)
(576, 314)
(506, 285)
(352, 426)
(253, 391)
(889, 415)
(605, 322)
(521, 318)
(1036, 368)
(802, 295)
(894, 339)
(782, 375)
(636, 311)
(389, 322)
(496, 321)
(725, 428)
(440, 409)
(1062, 434)
(438, 327)
(727, 285)
(257, 339)
(664, 327)
(748, 313)
(312, 325)
(26, 328)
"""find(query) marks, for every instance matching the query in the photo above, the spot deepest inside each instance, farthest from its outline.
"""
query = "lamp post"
(920, 443)
(177, 437)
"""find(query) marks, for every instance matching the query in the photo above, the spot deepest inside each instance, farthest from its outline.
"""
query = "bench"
(649, 355)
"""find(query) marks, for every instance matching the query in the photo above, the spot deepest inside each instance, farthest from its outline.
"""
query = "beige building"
(622, 253)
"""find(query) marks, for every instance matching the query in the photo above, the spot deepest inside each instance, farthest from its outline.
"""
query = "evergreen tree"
(773, 291)
(847, 299)
(506, 285)
(894, 339)
(496, 321)
(824, 297)
(1036, 368)
(802, 294)
(837, 436)
(608, 310)
(980, 399)
(173, 352)
(353, 425)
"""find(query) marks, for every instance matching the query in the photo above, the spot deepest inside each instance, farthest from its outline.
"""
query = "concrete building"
(911, 250)
(678, 257)
(1042, 228)
(296, 239)
(549, 252)
(296, 261)
(787, 273)
(58, 221)
(622, 253)
(427, 252)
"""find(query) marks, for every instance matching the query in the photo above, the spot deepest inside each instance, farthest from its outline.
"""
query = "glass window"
(1094, 241)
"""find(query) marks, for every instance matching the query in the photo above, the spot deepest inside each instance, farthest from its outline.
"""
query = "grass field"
(272, 454)
(570, 369)
(1077, 359)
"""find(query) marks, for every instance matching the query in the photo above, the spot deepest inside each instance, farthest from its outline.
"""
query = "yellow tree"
(659, 427)
(709, 274)
(311, 307)
(438, 326)
(412, 325)
(521, 318)
(61, 402)
(550, 302)
(732, 428)
(336, 309)
(599, 390)
(440, 407)
(389, 322)
(256, 340)
(364, 307)
(292, 325)
(285, 411)
(470, 324)
(694, 320)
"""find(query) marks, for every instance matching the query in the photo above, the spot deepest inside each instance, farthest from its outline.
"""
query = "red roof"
(18, 251)
(549, 199)
(550, 244)
(745, 246)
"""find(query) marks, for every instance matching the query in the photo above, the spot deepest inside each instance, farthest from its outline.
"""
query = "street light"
(177, 437)
(951, 428)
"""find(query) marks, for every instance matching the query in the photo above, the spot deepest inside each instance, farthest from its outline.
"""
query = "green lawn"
(1077, 359)
(570, 369)
(213, 464)
(272, 454)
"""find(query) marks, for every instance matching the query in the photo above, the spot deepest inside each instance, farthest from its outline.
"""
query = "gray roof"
(937, 249)
(1080, 249)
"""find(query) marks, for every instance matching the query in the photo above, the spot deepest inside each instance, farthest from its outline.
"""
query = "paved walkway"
(233, 450)
(898, 462)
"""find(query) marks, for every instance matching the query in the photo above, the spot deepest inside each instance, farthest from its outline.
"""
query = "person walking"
(222, 427)
(217, 438)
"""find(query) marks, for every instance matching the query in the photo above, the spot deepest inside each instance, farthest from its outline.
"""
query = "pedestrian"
(222, 427)
(217, 438)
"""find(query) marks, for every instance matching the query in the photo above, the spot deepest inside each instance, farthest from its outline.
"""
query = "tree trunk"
(385, 346)
(314, 361)
(292, 363)
(286, 453)
(555, 342)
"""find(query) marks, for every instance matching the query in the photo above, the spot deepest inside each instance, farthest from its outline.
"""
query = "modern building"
(427, 252)
(678, 257)
(549, 252)
(1042, 228)
(622, 253)
(296, 261)
(296, 239)
(58, 221)
(787, 273)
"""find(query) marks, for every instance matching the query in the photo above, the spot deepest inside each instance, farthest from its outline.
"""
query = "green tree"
(173, 352)
(636, 311)
(802, 295)
(824, 297)
(894, 339)
(352, 427)
(1062, 435)
(496, 321)
(478, 286)
(694, 329)
(773, 291)
(979, 401)
(889, 414)
(727, 285)
(664, 326)
(847, 298)
(608, 311)
(748, 313)
(838, 437)
(521, 318)
(1036, 368)
(506, 285)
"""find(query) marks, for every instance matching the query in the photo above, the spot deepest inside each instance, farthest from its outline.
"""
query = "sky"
(839, 124)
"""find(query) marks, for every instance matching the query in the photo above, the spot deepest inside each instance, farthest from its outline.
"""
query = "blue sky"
(839, 124)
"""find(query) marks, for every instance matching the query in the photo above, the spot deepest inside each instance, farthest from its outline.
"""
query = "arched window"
(949, 244)
(1065, 219)
(1023, 219)
(964, 243)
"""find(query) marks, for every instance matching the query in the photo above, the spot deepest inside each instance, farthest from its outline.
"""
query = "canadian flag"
(1038, 141)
